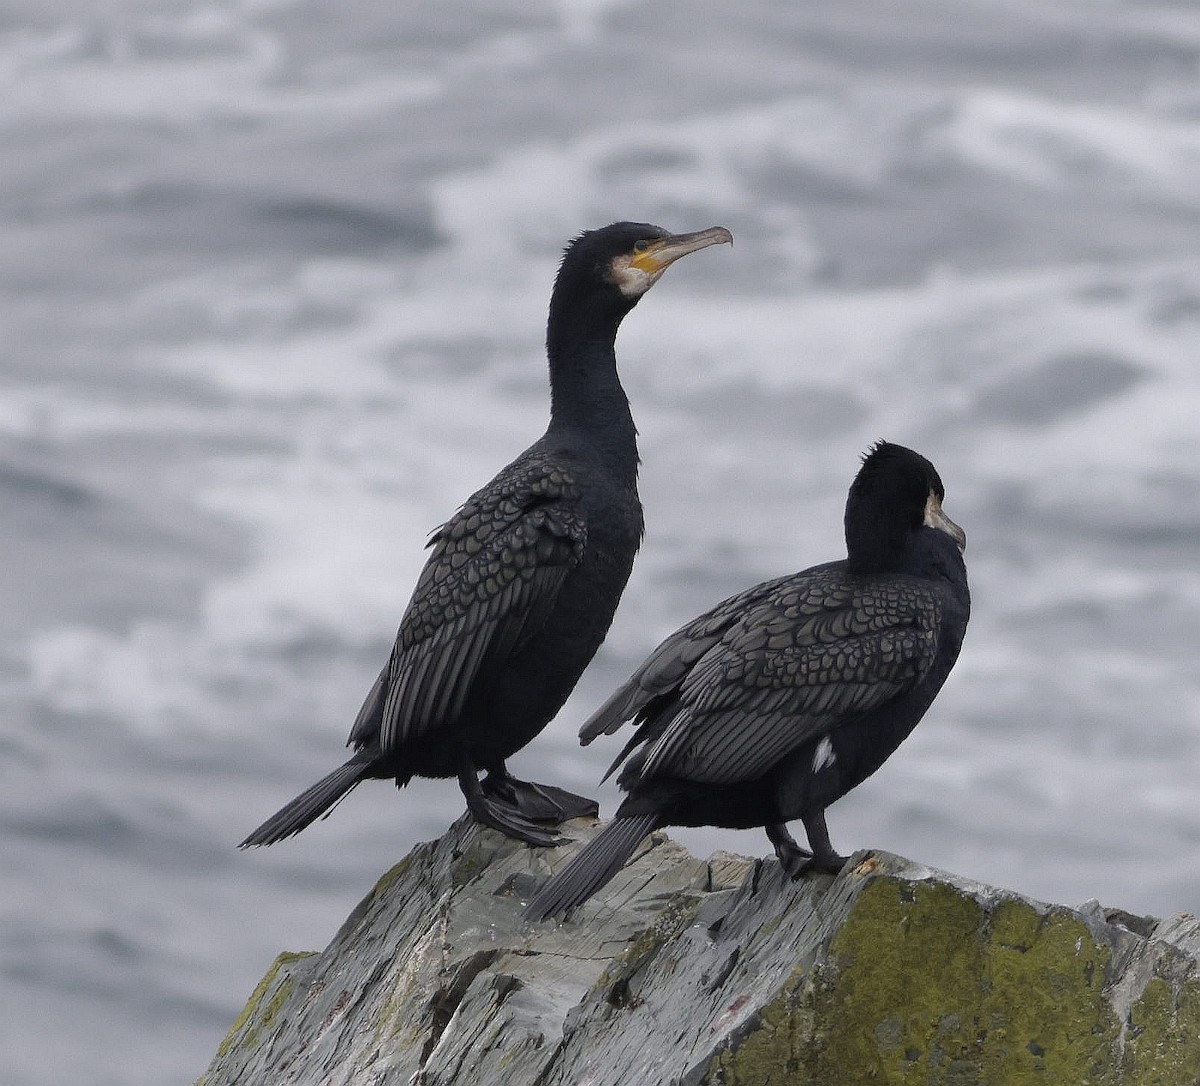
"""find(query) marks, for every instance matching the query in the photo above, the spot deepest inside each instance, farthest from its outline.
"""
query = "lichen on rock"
(691, 972)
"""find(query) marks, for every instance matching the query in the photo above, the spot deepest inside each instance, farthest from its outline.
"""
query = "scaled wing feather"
(800, 660)
(488, 586)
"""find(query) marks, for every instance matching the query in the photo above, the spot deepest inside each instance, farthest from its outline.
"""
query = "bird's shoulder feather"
(494, 572)
(817, 648)
(669, 664)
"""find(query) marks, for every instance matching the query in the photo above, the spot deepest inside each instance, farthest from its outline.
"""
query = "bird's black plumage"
(523, 581)
(782, 698)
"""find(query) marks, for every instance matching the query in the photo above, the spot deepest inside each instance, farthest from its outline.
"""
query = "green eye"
(641, 246)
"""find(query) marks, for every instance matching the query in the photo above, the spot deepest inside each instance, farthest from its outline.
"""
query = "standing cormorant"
(524, 579)
(781, 699)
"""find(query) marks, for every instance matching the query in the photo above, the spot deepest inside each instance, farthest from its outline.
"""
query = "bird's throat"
(588, 400)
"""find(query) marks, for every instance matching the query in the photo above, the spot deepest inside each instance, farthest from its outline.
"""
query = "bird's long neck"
(878, 539)
(586, 396)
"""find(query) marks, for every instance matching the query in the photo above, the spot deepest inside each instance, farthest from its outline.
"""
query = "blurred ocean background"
(273, 284)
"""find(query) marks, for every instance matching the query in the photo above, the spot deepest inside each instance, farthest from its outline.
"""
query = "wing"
(820, 648)
(665, 669)
(494, 574)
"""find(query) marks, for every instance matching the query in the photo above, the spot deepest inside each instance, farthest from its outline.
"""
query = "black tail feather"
(311, 804)
(598, 862)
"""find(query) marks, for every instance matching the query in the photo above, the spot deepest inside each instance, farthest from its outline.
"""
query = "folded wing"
(492, 579)
(730, 694)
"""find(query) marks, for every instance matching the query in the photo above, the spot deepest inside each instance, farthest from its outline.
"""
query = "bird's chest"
(614, 534)
(542, 674)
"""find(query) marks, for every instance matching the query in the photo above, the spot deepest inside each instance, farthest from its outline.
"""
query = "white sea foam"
(205, 62)
(1055, 143)
(222, 455)
(339, 516)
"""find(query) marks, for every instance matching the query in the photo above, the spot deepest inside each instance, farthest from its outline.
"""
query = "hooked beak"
(935, 518)
(663, 253)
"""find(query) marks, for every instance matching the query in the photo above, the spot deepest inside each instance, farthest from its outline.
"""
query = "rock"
(695, 972)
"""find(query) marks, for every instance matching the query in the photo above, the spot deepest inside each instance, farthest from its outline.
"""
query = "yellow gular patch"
(636, 274)
(647, 262)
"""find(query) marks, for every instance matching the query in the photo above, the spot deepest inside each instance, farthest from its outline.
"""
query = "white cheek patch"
(823, 756)
(632, 281)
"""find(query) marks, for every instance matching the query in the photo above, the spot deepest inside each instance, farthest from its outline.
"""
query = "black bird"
(781, 699)
(524, 579)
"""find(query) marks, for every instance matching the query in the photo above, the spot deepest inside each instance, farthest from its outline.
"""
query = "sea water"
(273, 282)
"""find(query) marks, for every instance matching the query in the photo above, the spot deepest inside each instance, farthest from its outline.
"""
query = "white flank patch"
(823, 756)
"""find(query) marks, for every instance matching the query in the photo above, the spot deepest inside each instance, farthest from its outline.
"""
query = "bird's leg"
(824, 858)
(499, 816)
(539, 802)
(791, 855)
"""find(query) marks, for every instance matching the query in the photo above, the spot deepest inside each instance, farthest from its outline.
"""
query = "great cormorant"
(781, 699)
(524, 579)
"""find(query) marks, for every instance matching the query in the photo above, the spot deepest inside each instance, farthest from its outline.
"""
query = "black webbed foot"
(537, 802)
(829, 864)
(794, 859)
(502, 817)
(824, 858)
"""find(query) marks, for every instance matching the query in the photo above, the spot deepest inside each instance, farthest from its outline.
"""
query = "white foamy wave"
(145, 676)
(677, 173)
(336, 506)
(181, 66)
(329, 579)
(1057, 143)
(314, 333)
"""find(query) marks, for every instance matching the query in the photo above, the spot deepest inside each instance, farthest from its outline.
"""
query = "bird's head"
(896, 493)
(624, 260)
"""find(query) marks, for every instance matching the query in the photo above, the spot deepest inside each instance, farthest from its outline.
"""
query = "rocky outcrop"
(692, 972)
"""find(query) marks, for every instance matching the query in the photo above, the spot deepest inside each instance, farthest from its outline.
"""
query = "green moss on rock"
(779, 1046)
(263, 1006)
(619, 975)
(1017, 1000)
(1162, 1042)
(924, 986)
(396, 872)
(890, 973)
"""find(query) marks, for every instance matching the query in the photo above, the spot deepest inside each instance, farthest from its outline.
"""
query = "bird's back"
(542, 675)
(729, 695)
(515, 598)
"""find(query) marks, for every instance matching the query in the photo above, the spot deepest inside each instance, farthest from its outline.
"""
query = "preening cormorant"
(524, 579)
(782, 698)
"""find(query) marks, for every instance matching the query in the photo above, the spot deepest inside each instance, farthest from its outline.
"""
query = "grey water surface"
(273, 279)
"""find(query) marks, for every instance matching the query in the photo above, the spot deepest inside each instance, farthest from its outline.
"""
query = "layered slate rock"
(695, 972)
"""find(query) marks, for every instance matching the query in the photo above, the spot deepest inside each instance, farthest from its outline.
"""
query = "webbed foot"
(793, 858)
(500, 816)
(824, 858)
(537, 802)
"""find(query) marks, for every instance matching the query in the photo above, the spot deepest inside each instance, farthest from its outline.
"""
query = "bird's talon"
(537, 802)
(822, 865)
